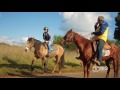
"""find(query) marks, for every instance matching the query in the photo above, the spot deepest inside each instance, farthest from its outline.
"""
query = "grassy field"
(15, 61)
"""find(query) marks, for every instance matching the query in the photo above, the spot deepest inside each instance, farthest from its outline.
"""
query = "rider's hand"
(91, 33)
(96, 23)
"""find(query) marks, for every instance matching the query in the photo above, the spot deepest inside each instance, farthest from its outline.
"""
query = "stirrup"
(97, 62)
(94, 59)
(77, 57)
(47, 55)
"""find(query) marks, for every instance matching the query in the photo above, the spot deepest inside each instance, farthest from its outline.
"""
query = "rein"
(87, 35)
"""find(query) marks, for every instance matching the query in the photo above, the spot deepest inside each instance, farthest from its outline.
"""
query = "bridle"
(29, 48)
(70, 39)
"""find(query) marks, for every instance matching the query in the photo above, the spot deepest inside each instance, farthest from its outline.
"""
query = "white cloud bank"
(82, 22)
(11, 41)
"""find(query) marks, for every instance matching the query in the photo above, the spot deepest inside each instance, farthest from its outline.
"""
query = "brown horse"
(86, 52)
(41, 51)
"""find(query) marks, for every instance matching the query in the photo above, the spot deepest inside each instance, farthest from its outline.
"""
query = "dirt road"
(100, 74)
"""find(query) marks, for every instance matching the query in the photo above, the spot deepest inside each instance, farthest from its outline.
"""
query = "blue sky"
(16, 26)
(22, 24)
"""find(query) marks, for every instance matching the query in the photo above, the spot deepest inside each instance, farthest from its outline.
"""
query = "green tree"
(57, 39)
(70, 46)
(115, 42)
(117, 29)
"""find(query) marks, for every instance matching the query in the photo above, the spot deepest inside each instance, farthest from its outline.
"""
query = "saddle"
(106, 46)
(44, 43)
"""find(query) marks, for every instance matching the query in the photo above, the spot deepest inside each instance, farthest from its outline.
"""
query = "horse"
(86, 52)
(41, 50)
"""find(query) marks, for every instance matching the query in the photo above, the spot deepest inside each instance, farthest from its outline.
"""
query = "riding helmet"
(45, 28)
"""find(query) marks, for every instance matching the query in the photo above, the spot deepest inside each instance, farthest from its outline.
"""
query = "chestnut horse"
(86, 52)
(41, 51)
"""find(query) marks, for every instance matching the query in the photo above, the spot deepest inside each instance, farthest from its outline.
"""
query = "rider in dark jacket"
(47, 38)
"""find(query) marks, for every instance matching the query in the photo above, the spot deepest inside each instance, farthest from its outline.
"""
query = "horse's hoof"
(78, 58)
(44, 73)
(52, 72)
(32, 69)
(60, 72)
(32, 72)
(107, 76)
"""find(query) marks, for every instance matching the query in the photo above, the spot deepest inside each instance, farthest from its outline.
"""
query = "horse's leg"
(85, 69)
(88, 70)
(60, 66)
(32, 69)
(115, 68)
(57, 61)
(45, 64)
(108, 65)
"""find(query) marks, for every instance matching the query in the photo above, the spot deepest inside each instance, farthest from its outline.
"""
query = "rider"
(101, 34)
(47, 38)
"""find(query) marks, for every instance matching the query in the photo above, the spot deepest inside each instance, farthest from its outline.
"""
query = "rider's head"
(100, 19)
(45, 29)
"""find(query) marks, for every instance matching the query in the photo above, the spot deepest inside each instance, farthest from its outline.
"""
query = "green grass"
(15, 61)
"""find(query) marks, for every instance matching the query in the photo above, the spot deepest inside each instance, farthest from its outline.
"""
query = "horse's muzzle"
(26, 49)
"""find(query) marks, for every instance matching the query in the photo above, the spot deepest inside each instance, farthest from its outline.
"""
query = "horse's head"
(30, 44)
(68, 37)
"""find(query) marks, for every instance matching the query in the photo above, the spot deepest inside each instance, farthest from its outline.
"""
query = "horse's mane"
(85, 39)
(37, 41)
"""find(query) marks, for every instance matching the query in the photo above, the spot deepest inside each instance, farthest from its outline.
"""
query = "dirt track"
(100, 74)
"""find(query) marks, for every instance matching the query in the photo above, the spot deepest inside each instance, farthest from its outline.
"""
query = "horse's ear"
(71, 30)
(33, 37)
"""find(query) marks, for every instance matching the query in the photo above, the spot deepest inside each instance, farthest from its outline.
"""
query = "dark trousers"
(100, 46)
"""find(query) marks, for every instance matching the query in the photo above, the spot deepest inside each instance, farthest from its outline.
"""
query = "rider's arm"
(102, 29)
(96, 26)
(44, 36)
(50, 37)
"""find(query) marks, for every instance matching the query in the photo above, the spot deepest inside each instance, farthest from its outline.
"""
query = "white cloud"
(81, 22)
(110, 33)
(24, 39)
(12, 41)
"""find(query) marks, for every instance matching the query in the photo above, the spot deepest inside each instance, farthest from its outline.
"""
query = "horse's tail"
(119, 56)
(118, 62)
(63, 60)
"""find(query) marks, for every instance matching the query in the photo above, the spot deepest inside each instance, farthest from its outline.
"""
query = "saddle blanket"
(105, 52)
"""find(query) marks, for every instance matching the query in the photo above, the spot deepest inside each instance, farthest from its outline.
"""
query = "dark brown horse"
(86, 52)
(41, 51)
